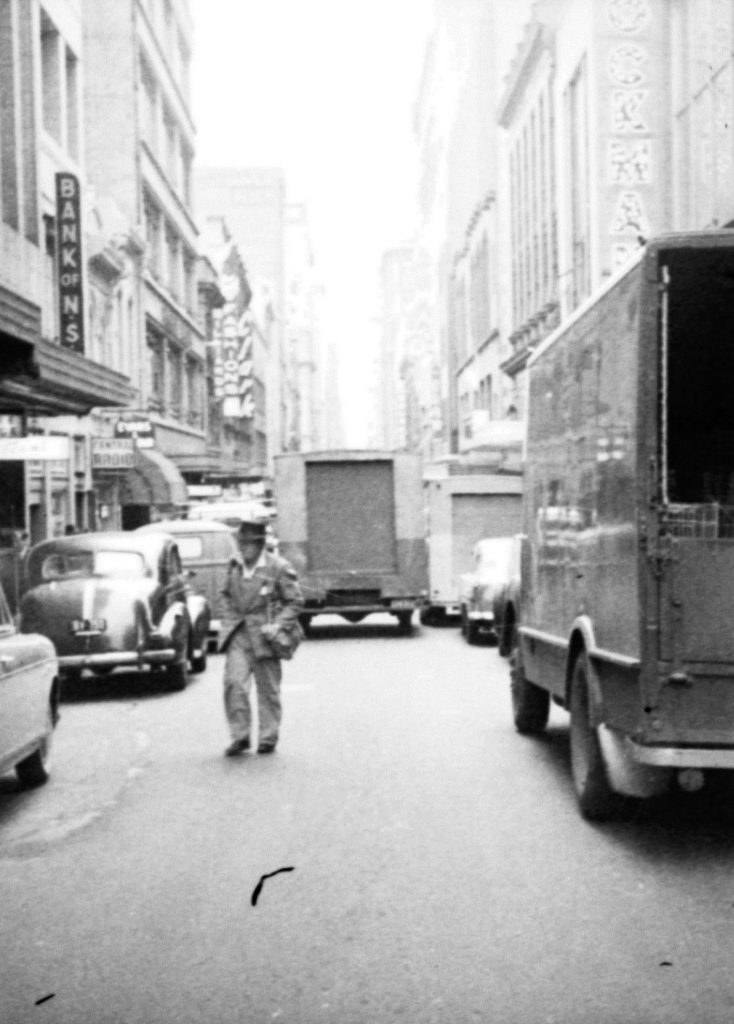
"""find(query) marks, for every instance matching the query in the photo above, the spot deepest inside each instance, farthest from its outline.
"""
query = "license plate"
(88, 625)
(402, 604)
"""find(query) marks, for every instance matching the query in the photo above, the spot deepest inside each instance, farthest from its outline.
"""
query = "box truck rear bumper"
(681, 757)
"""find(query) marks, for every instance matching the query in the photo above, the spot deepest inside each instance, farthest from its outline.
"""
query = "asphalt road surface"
(439, 870)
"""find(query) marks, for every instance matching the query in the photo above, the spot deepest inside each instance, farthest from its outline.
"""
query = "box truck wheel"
(405, 622)
(596, 798)
(530, 703)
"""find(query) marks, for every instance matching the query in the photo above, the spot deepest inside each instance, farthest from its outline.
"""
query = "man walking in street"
(261, 602)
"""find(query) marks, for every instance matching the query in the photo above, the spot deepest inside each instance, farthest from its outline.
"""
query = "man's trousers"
(239, 669)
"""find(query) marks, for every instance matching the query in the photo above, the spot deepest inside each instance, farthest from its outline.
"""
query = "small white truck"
(465, 501)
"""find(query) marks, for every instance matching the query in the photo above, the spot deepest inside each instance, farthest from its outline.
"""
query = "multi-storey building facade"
(140, 148)
(239, 351)
(310, 377)
(253, 203)
(64, 341)
(407, 399)
(460, 216)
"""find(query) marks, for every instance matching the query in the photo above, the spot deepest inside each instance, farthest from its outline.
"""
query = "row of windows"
(59, 88)
(171, 262)
(534, 265)
(703, 40)
(162, 19)
(18, 121)
(163, 136)
(177, 381)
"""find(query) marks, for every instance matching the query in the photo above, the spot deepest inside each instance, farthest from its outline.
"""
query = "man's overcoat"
(271, 594)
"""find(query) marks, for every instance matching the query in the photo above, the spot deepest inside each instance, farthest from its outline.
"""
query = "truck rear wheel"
(596, 799)
(530, 703)
(405, 623)
(506, 634)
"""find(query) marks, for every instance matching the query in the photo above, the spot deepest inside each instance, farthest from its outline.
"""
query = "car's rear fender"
(174, 626)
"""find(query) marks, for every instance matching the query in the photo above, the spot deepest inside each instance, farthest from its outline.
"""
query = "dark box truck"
(627, 564)
(351, 522)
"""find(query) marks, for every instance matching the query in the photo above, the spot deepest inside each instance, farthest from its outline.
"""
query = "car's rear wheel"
(198, 665)
(177, 675)
(405, 623)
(506, 634)
(32, 771)
(530, 703)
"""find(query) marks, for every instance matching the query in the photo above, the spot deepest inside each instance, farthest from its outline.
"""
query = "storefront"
(152, 490)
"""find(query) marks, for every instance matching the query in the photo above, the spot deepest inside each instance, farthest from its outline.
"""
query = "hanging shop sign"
(112, 453)
(233, 337)
(138, 428)
(69, 261)
(40, 447)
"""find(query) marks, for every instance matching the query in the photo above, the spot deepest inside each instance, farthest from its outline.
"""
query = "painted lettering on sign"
(234, 335)
(69, 261)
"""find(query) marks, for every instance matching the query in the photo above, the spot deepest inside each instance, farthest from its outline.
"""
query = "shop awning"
(154, 480)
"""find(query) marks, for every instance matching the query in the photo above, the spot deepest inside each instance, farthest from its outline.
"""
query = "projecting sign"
(139, 428)
(113, 453)
(69, 261)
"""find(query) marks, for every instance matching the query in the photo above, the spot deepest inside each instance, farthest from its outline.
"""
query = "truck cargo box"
(465, 502)
(627, 565)
(351, 522)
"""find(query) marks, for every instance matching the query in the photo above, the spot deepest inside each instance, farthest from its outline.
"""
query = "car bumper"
(161, 657)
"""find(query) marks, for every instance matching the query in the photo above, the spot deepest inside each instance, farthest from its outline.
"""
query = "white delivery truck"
(465, 501)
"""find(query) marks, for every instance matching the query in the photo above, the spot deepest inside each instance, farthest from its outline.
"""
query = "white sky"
(324, 89)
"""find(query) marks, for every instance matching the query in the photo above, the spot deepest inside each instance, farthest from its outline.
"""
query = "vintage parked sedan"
(206, 548)
(110, 600)
(492, 566)
(29, 700)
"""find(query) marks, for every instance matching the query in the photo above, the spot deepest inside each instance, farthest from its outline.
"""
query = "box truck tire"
(530, 704)
(596, 799)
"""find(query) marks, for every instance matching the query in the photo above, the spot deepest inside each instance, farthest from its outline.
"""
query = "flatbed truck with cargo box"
(627, 564)
(351, 523)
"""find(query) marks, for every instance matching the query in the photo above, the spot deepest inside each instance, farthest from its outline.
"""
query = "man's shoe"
(266, 748)
(237, 747)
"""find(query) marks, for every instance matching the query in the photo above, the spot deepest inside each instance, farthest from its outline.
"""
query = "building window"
(153, 237)
(156, 347)
(51, 77)
(577, 153)
(175, 382)
(149, 112)
(72, 104)
(703, 75)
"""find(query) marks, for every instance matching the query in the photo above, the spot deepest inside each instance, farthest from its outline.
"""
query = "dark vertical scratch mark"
(258, 888)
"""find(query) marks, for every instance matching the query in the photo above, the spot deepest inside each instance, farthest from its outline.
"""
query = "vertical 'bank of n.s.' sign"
(69, 261)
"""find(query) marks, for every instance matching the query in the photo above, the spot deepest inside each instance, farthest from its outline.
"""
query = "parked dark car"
(477, 589)
(109, 600)
(206, 548)
(507, 602)
(29, 700)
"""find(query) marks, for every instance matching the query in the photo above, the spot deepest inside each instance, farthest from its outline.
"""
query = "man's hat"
(252, 529)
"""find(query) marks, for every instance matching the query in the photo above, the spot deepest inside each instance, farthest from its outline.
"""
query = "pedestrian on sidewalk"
(260, 606)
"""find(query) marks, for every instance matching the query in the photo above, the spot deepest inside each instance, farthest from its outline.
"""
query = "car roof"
(116, 540)
(174, 526)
